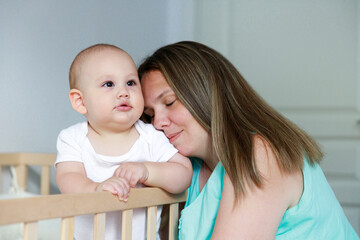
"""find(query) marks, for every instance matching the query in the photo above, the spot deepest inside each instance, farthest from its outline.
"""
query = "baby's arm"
(71, 178)
(173, 176)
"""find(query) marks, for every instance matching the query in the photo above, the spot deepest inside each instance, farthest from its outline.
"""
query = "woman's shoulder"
(264, 156)
(258, 205)
(273, 174)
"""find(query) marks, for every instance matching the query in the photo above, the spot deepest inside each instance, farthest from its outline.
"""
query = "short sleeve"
(161, 150)
(69, 144)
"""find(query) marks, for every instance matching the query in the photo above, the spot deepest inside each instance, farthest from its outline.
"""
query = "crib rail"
(31, 210)
(21, 161)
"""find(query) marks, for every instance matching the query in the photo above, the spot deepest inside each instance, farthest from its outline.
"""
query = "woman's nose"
(161, 121)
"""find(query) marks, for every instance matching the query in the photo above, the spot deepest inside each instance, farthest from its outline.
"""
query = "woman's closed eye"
(169, 103)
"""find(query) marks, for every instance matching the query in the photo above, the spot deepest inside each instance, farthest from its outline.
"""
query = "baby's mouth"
(123, 107)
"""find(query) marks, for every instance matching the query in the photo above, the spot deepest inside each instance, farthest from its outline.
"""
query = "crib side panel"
(21, 162)
(67, 205)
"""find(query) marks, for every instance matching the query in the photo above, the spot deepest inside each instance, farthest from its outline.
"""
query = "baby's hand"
(117, 186)
(133, 172)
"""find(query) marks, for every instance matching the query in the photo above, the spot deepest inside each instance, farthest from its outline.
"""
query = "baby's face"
(111, 89)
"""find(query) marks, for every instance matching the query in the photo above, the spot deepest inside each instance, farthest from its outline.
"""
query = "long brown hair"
(221, 100)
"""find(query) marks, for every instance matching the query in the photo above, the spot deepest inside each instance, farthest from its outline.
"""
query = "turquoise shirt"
(318, 215)
(199, 214)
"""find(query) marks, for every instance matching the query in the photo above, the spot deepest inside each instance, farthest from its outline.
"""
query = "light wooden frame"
(31, 210)
(21, 161)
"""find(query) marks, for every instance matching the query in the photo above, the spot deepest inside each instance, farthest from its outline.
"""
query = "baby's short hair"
(82, 56)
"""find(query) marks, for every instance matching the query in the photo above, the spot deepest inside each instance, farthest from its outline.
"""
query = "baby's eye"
(131, 83)
(109, 84)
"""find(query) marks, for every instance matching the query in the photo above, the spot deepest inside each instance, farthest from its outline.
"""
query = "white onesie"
(73, 145)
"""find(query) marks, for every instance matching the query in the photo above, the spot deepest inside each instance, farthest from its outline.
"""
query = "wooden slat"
(37, 158)
(99, 226)
(0, 179)
(66, 205)
(173, 221)
(21, 161)
(7, 159)
(151, 222)
(22, 175)
(45, 180)
(67, 228)
(31, 231)
(126, 228)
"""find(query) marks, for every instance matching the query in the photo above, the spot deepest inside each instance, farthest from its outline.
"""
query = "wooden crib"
(30, 211)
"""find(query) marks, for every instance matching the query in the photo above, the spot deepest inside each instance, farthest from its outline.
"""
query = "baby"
(113, 150)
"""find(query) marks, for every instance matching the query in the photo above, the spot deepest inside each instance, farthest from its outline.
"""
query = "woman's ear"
(77, 102)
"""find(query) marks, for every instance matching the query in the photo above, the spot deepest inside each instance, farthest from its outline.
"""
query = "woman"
(255, 173)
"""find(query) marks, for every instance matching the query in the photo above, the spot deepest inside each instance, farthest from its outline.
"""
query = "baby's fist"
(133, 172)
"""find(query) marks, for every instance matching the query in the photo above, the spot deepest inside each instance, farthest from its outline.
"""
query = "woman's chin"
(183, 151)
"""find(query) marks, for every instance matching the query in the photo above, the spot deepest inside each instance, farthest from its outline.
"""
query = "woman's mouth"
(172, 137)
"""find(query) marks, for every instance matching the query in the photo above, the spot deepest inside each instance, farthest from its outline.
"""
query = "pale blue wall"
(38, 41)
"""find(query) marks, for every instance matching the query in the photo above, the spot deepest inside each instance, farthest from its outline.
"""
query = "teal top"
(199, 214)
(318, 215)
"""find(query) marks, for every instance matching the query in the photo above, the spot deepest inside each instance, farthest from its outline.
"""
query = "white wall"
(38, 41)
(303, 50)
(303, 58)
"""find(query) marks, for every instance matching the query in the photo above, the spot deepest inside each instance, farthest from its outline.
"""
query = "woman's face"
(169, 115)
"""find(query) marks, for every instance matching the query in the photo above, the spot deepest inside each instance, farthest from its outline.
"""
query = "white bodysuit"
(73, 145)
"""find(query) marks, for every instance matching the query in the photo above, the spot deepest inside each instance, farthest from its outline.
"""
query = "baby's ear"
(77, 102)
